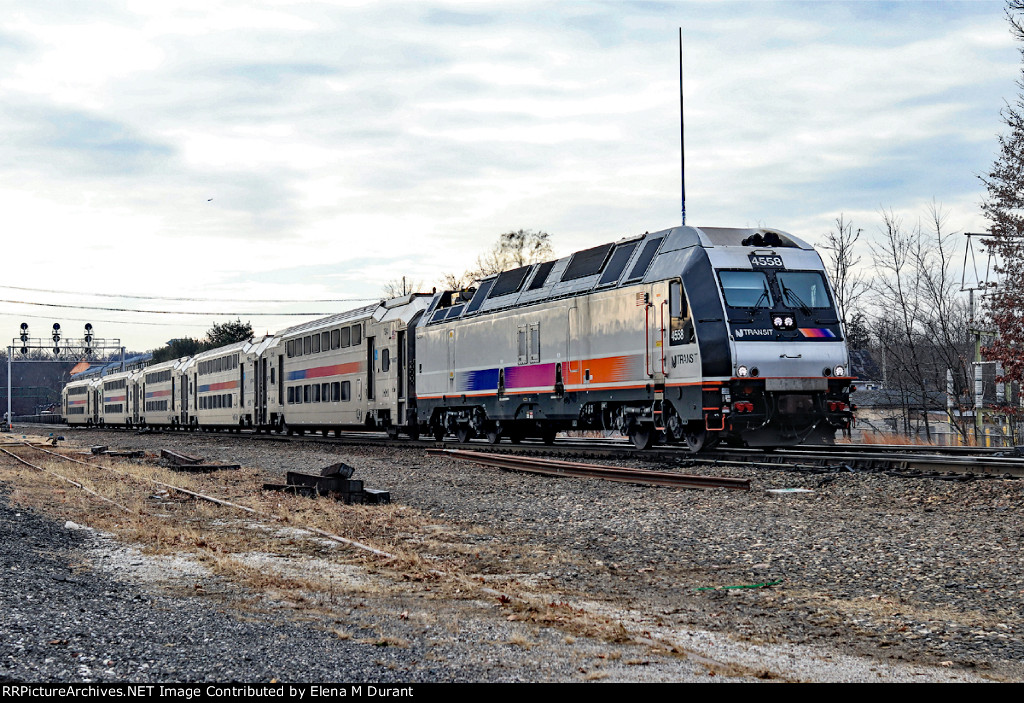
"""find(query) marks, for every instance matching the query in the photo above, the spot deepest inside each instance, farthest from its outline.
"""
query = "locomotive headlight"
(789, 322)
(742, 371)
(826, 371)
(840, 371)
(777, 322)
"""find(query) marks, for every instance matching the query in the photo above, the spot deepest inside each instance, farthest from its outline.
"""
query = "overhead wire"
(172, 312)
(189, 300)
(197, 325)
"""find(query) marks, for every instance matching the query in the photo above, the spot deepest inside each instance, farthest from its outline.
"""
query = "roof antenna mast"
(682, 142)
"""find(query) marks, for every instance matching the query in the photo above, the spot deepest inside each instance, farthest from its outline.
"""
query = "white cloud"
(318, 149)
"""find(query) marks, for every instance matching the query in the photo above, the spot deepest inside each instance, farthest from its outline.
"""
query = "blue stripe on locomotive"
(482, 380)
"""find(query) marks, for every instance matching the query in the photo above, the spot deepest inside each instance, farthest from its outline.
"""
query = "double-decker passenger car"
(79, 400)
(118, 393)
(158, 394)
(216, 388)
(346, 370)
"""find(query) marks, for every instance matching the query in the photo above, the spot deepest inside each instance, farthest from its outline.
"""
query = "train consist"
(689, 335)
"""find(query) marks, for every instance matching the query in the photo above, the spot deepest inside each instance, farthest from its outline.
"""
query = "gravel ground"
(882, 578)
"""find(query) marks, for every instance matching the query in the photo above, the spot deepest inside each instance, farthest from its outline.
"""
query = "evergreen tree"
(1004, 208)
(221, 335)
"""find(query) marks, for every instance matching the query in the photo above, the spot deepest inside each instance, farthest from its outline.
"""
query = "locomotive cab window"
(803, 289)
(746, 289)
(680, 323)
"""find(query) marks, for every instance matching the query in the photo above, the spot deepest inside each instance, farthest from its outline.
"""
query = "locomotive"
(686, 335)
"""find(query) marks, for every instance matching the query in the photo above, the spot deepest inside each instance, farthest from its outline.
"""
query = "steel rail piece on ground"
(554, 467)
(63, 478)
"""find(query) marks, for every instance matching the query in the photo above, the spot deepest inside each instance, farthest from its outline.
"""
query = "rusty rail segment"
(554, 467)
(62, 478)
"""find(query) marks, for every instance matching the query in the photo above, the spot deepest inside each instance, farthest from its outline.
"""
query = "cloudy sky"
(214, 156)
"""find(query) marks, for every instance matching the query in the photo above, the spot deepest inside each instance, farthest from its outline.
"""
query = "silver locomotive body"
(669, 335)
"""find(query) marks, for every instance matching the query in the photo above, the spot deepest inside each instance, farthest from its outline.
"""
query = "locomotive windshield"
(746, 289)
(803, 289)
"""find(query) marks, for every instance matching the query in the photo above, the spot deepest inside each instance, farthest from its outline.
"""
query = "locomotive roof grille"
(651, 247)
(542, 274)
(509, 281)
(587, 262)
(481, 295)
(618, 263)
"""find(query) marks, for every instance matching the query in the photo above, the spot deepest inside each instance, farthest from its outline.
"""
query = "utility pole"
(979, 282)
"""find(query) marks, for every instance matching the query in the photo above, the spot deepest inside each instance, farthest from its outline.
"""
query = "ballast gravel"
(873, 577)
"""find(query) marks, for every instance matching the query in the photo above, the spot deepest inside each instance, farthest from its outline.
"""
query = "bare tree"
(398, 287)
(512, 250)
(515, 249)
(921, 320)
(848, 282)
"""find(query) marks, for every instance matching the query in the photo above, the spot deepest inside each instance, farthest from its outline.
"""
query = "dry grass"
(880, 608)
(273, 559)
(518, 640)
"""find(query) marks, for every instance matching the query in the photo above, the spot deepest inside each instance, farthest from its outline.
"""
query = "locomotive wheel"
(392, 432)
(493, 436)
(699, 440)
(547, 435)
(438, 434)
(463, 433)
(643, 436)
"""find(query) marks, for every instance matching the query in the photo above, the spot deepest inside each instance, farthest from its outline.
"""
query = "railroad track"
(906, 460)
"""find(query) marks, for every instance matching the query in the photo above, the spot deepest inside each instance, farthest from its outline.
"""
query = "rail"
(554, 467)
